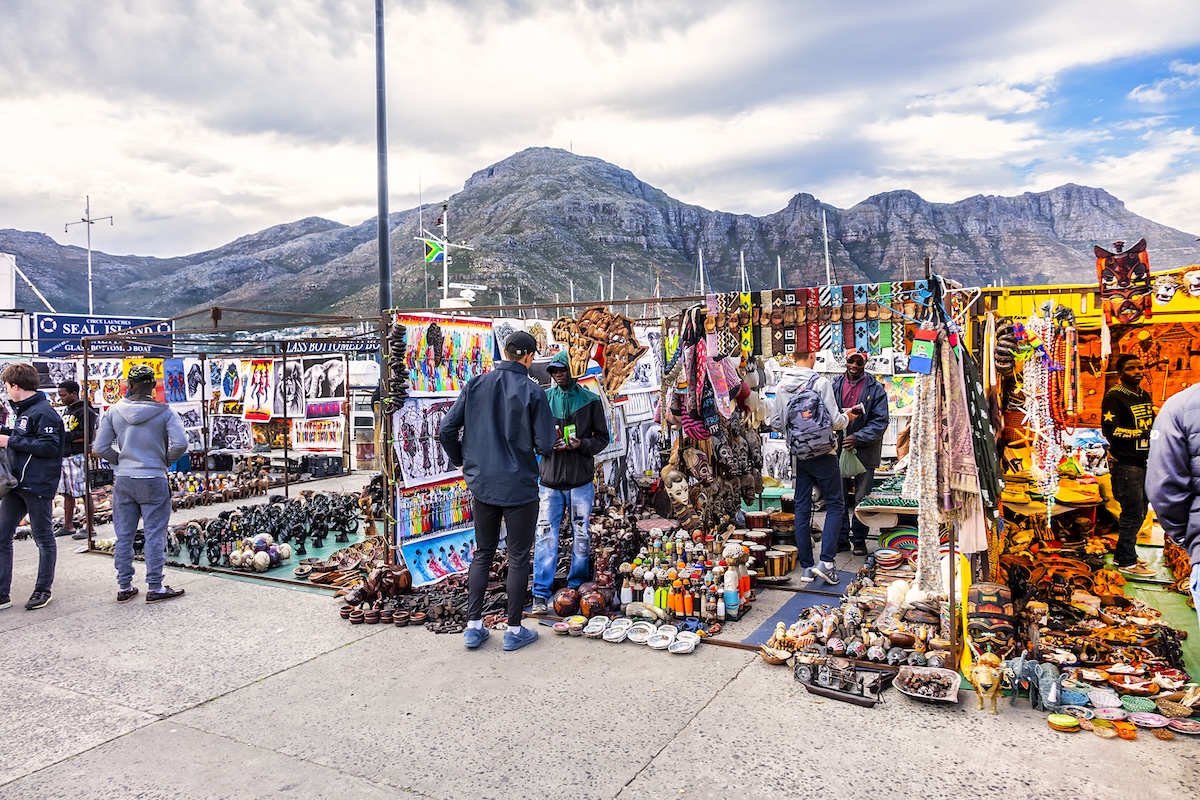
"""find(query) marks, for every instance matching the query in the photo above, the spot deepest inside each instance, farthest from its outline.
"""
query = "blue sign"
(60, 335)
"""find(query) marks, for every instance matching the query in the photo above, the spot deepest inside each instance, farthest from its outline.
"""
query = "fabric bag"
(8, 479)
(849, 463)
(808, 426)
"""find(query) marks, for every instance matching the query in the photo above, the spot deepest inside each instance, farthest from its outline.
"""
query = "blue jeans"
(1129, 489)
(13, 506)
(825, 473)
(551, 505)
(147, 500)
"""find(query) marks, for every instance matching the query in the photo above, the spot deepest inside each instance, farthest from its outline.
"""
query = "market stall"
(264, 405)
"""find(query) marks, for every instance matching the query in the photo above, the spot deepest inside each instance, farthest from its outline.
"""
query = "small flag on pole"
(433, 251)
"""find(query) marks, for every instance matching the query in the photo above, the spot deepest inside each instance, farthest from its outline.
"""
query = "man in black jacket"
(504, 421)
(863, 435)
(35, 448)
(1126, 417)
(78, 419)
(567, 480)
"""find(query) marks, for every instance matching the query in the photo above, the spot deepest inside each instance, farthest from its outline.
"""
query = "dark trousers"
(824, 473)
(1129, 489)
(13, 506)
(521, 522)
(856, 489)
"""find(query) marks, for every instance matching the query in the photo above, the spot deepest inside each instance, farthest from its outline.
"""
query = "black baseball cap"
(520, 344)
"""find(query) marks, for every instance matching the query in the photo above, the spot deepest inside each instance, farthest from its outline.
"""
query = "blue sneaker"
(518, 637)
(826, 572)
(473, 637)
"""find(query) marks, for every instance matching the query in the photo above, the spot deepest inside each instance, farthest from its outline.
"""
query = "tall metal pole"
(828, 269)
(446, 251)
(89, 221)
(385, 254)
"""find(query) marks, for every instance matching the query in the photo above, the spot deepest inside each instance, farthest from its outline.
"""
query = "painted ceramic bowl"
(1146, 719)
(562, 628)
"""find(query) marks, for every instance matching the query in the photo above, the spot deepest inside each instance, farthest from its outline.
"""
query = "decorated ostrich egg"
(262, 562)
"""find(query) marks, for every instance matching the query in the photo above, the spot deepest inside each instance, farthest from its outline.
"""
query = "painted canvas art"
(174, 381)
(289, 389)
(433, 558)
(324, 378)
(442, 352)
(418, 452)
(318, 435)
(259, 402)
(230, 433)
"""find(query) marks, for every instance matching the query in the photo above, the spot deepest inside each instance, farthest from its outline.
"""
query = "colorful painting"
(174, 382)
(432, 559)
(259, 403)
(325, 409)
(155, 364)
(442, 352)
(901, 392)
(318, 435)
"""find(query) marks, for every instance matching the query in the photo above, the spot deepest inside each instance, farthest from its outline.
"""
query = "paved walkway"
(241, 690)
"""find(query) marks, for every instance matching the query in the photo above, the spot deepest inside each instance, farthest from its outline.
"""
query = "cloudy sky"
(194, 122)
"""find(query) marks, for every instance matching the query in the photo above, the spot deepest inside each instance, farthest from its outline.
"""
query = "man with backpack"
(807, 413)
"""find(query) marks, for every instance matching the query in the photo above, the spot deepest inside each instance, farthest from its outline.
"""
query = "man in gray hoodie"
(141, 437)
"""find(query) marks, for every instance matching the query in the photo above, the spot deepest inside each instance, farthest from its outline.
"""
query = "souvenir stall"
(1109, 652)
(259, 413)
(671, 532)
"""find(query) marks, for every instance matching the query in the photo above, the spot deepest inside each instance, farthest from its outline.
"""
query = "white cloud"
(197, 123)
(1186, 77)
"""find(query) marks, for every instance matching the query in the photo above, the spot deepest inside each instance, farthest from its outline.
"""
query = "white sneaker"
(806, 575)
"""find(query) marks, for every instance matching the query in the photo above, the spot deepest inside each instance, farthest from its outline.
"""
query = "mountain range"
(544, 218)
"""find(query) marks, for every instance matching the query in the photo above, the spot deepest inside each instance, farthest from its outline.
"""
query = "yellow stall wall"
(1168, 342)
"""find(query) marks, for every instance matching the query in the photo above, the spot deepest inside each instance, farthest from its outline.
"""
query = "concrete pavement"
(240, 690)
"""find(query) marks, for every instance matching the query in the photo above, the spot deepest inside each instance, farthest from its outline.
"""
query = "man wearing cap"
(494, 432)
(863, 435)
(567, 480)
(141, 437)
(35, 447)
(78, 418)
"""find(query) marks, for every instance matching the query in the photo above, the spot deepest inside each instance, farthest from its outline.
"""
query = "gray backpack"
(808, 427)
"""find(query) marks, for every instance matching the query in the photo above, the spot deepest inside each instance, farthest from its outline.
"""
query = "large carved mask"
(1124, 282)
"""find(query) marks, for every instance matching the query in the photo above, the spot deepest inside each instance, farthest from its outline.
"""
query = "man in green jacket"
(567, 480)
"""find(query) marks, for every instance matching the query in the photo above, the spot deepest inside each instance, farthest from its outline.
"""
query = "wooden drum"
(792, 554)
(776, 564)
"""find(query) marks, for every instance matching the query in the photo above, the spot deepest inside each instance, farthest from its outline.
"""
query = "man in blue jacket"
(863, 435)
(504, 421)
(568, 476)
(141, 438)
(35, 448)
(1173, 475)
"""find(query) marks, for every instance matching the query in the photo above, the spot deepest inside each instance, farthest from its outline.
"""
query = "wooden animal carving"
(986, 676)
